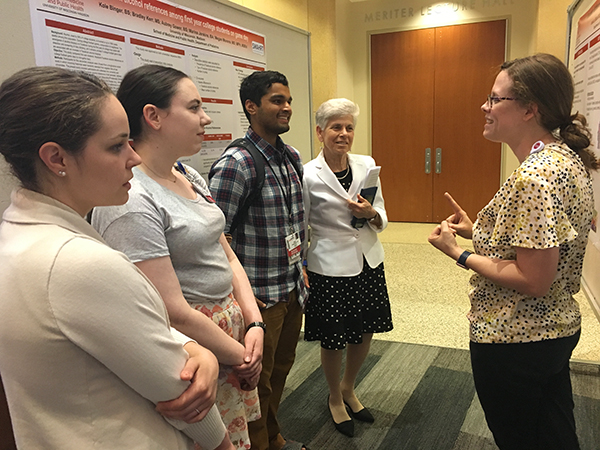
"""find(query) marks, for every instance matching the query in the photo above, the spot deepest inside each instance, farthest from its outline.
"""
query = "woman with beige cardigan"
(87, 357)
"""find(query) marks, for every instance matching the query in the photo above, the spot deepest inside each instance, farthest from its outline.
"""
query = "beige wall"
(15, 54)
(533, 26)
(318, 18)
(340, 31)
(552, 27)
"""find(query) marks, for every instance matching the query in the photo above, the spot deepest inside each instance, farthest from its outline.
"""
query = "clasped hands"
(202, 371)
(249, 371)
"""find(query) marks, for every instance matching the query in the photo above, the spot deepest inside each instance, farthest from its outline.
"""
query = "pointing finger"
(455, 206)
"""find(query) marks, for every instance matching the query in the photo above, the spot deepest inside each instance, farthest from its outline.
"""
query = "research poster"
(585, 68)
(109, 38)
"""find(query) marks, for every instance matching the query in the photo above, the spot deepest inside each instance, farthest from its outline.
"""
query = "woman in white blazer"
(348, 295)
(87, 356)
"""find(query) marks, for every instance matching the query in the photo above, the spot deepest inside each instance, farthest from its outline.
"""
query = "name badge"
(293, 243)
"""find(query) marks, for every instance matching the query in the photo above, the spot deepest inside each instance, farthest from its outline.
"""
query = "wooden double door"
(427, 87)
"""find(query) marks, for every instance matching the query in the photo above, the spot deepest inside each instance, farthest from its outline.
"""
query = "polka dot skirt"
(340, 309)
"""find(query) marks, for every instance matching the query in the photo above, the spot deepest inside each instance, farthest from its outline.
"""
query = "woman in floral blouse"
(529, 245)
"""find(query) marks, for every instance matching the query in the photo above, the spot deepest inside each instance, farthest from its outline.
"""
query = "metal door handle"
(427, 160)
(438, 160)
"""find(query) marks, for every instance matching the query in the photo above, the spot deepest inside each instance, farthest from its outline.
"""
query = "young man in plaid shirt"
(269, 240)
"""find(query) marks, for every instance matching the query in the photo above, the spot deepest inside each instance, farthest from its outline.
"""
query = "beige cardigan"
(85, 344)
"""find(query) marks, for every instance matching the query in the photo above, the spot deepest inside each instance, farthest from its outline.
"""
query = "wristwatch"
(462, 259)
(373, 218)
(257, 324)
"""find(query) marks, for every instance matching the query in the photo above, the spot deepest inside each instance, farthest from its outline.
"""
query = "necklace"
(168, 179)
(345, 173)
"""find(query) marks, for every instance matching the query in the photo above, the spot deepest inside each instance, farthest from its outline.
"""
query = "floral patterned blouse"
(546, 202)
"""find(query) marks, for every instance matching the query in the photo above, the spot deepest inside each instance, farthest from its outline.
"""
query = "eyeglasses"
(492, 100)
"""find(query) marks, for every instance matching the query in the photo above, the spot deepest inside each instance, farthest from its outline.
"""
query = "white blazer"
(336, 248)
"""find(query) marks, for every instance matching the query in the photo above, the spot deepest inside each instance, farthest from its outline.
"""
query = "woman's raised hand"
(459, 222)
(442, 238)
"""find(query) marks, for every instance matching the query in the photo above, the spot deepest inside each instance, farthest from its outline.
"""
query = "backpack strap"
(259, 181)
(259, 167)
(294, 163)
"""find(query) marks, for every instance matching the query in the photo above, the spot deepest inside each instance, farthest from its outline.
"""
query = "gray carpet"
(422, 398)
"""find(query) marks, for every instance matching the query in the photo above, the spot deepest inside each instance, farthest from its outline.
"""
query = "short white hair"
(336, 107)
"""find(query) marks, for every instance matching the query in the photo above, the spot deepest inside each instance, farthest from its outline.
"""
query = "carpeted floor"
(422, 398)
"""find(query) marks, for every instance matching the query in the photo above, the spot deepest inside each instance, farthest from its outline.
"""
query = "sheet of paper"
(372, 176)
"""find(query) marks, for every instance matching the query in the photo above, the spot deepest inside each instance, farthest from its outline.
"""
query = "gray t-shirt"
(156, 222)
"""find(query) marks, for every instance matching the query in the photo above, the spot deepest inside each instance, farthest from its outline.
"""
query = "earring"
(62, 173)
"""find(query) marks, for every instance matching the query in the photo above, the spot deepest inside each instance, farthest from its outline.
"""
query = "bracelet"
(257, 324)
(462, 259)
(373, 218)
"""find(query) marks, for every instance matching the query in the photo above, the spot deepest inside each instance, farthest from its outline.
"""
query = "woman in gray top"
(173, 231)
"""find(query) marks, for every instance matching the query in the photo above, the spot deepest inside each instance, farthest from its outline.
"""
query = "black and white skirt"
(341, 309)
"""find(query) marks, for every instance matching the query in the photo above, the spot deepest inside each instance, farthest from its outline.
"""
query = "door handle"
(438, 160)
(427, 160)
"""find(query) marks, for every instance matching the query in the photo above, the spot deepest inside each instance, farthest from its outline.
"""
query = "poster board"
(287, 49)
(110, 37)
(583, 60)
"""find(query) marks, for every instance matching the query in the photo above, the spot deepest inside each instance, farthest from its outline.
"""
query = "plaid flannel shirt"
(259, 241)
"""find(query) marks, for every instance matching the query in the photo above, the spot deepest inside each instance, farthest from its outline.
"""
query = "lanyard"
(179, 167)
(288, 185)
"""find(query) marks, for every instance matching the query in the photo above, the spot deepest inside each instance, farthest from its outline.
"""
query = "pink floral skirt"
(237, 407)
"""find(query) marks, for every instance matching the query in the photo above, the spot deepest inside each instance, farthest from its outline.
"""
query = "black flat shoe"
(364, 415)
(346, 427)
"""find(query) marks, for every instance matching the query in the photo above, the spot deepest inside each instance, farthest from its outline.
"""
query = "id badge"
(292, 243)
